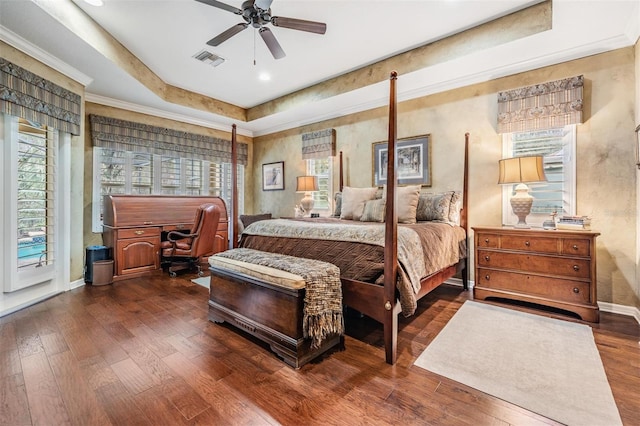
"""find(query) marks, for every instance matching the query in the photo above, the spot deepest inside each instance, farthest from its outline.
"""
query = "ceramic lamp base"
(521, 205)
(307, 203)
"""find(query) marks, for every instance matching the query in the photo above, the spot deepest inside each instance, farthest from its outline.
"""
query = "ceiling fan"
(257, 13)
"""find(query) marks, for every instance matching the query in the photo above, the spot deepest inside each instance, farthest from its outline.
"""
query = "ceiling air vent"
(209, 58)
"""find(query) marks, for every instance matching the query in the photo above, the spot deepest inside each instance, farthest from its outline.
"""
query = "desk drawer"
(139, 232)
(573, 268)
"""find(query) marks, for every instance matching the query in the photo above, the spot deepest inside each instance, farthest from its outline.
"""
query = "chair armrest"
(180, 234)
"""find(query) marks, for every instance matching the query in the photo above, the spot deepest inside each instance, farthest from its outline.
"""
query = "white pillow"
(406, 202)
(353, 200)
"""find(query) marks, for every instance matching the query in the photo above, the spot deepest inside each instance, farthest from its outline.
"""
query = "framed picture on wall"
(273, 176)
(413, 161)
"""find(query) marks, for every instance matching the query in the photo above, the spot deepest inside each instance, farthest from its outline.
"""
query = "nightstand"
(555, 268)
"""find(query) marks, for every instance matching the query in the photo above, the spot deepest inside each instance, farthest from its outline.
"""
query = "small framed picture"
(413, 161)
(273, 176)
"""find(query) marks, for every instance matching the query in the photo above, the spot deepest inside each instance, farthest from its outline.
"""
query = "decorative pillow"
(407, 203)
(353, 200)
(434, 206)
(454, 208)
(338, 204)
(373, 211)
(248, 219)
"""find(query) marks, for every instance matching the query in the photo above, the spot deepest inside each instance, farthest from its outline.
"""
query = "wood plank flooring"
(142, 352)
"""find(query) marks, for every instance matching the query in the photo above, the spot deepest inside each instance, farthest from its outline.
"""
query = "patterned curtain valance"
(26, 95)
(129, 136)
(320, 144)
(543, 106)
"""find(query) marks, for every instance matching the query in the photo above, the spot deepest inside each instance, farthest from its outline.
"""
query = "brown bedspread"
(442, 245)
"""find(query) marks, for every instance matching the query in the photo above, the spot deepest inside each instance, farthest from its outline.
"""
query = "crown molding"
(35, 52)
(115, 103)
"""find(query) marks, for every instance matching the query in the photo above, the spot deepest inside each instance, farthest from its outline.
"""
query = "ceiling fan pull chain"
(254, 48)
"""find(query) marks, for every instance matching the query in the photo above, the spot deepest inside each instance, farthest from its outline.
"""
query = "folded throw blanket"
(323, 290)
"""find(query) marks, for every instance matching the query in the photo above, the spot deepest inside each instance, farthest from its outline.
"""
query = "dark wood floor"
(142, 352)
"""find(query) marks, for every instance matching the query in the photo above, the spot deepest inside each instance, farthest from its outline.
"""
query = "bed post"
(234, 185)
(341, 173)
(390, 323)
(464, 213)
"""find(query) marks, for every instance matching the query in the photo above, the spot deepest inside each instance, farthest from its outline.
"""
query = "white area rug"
(548, 366)
(203, 281)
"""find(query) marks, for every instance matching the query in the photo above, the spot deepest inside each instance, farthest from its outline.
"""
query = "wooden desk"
(134, 224)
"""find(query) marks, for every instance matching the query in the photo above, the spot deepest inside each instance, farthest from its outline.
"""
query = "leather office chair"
(182, 251)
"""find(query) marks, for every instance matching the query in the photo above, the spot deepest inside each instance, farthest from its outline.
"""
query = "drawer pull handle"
(138, 232)
(576, 268)
(147, 223)
(527, 243)
(487, 277)
(576, 290)
(575, 247)
(486, 258)
(486, 240)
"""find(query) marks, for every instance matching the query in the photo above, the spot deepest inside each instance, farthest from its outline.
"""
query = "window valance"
(26, 95)
(319, 144)
(124, 135)
(542, 106)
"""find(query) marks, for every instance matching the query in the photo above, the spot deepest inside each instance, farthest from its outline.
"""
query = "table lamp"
(307, 184)
(521, 170)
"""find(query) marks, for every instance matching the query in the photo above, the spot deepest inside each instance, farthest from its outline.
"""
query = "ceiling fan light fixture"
(209, 58)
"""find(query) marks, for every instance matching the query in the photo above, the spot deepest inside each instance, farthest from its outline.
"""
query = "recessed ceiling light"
(94, 2)
(264, 76)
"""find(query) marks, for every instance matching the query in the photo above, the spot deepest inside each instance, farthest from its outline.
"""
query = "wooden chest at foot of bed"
(271, 311)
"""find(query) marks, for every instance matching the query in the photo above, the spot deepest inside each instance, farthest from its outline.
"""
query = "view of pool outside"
(30, 249)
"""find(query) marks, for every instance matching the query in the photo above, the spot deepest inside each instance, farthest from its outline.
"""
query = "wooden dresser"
(554, 268)
(134, 226)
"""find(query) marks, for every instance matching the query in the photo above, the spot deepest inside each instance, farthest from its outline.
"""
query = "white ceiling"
(165, 34)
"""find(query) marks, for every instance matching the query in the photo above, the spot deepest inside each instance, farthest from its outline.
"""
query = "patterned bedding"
(357, 248)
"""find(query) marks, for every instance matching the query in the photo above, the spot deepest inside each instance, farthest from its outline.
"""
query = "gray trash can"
(102, 272)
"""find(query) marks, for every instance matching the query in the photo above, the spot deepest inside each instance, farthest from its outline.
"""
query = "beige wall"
(91, 238)
(606, 172)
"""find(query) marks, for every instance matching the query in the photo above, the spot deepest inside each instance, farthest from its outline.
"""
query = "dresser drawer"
(553, 288)
(573, 268)
(530, 243)
(576, 247)
(487, 240)
(139, 232)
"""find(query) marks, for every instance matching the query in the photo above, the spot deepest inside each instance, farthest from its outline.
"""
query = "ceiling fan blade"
(226, 35)
(272, 43)
(299, 24)
(262, 4)
(222, 6)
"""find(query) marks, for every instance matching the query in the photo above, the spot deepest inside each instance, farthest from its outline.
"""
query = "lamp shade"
(521, 170)
(307, 183)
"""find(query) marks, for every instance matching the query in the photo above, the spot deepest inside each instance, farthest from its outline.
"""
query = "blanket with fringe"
(323, 290)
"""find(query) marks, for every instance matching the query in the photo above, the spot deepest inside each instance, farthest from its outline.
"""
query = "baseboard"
(458, 282)
(614, 308)
(76, 284)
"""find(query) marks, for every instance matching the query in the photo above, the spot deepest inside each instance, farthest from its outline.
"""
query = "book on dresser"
(550, 268)
(574, 223)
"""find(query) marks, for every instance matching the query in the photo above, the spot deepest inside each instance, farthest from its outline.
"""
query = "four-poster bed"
(382, 302)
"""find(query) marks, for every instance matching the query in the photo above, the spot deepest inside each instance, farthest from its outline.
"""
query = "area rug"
(548, 366)
(203, 281)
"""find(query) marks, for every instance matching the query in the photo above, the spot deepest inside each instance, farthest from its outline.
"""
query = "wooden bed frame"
(375, 301)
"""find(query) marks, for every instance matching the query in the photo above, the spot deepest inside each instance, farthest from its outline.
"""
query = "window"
(557, 194)
(30, 191)
(124, 172)
(322, 169)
